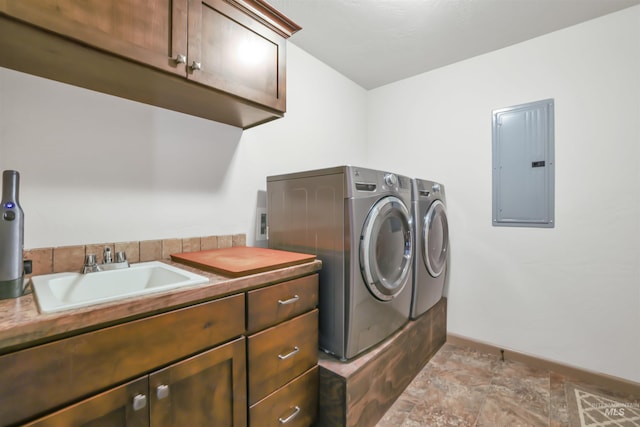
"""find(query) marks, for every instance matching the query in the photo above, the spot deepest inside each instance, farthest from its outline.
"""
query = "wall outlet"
(261, 224)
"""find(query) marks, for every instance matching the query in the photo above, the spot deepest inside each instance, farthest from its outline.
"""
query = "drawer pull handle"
(295, 413)
(162, 391)
(288, 355)
(289, 301)
(139, 402)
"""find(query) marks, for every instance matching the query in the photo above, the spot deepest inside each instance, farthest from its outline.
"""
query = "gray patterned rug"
(590, 408)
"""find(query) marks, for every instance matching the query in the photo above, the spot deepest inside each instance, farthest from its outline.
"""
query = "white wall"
(571, 293)
(96, 168)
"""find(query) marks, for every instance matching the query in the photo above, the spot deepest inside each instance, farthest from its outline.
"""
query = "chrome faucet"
(91, 265)
(106, 256)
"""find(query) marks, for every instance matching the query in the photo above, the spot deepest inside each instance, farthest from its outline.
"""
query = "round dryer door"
(386, 246)
(435, 239)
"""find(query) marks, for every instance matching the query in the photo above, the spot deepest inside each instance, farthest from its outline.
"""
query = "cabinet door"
(153, 32)
(232, 52)
(125, 406)
(208, 389)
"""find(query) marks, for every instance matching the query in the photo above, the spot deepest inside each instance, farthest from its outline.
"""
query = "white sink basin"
(64, 291)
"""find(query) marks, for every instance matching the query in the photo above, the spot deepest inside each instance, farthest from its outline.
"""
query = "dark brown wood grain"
(129, 48)
(108, 409)
(332, 404)
(208, 389)
(274, 304)
(359, 392)
(268, 371)
(53, 374)
(151, 33)
(238, 54)
(301, 393)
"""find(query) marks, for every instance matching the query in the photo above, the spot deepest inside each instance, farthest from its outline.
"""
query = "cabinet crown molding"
(265, 13)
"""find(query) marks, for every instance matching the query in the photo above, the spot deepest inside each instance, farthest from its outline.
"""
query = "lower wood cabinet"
(245, 359)
(208, 389)
(55, 374)
(282, 354)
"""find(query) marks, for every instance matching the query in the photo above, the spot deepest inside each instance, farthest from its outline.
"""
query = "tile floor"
(461, 387)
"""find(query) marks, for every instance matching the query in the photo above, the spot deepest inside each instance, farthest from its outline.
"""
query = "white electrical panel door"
(523, 165)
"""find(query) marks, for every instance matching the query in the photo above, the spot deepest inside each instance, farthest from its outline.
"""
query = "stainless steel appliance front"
(432, 245)
(357, 222)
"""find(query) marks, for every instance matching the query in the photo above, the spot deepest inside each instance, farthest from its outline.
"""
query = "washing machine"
(432, 244)
(358, 222)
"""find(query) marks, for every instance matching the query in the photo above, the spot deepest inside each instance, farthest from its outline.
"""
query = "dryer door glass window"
(435, 238)
(386, 246)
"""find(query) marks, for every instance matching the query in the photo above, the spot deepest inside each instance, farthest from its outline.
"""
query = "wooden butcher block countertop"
(241, 260)
(22, 325)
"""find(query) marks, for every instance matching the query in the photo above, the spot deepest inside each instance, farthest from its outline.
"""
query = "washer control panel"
(391, 180)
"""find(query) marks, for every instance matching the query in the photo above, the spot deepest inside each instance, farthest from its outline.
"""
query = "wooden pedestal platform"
(360, 391)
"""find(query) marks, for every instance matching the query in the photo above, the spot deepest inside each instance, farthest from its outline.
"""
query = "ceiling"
(376, 42)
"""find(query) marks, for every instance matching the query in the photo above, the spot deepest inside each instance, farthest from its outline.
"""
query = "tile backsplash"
(71, 258)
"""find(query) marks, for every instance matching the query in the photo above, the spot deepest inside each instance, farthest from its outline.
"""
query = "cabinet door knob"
(288, 355)
(181, 59)
(139, 402)
(289, 301)
(162, 391)
(295, 413)
(196, 66)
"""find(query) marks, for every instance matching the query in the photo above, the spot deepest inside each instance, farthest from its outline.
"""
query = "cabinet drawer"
(279, 354)
(274, 304)
(294, 405)
(75, 367)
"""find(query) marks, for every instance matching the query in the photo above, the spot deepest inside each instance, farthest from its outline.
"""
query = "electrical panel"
(524, 165)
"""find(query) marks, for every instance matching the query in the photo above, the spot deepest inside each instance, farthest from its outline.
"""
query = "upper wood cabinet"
(150, 32)
(223, 60)
(230, 50)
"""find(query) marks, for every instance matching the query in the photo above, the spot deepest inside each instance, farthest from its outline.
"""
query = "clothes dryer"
(358, 222)
(432, 245)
